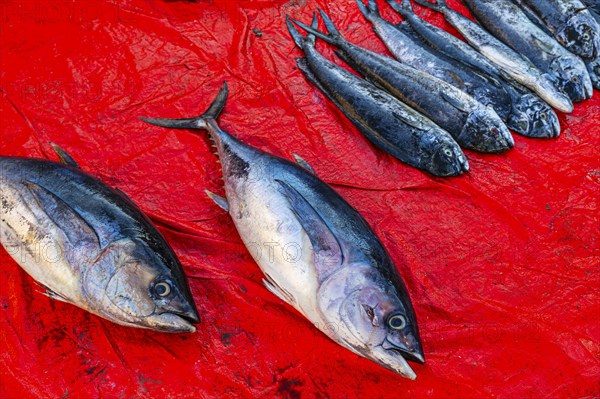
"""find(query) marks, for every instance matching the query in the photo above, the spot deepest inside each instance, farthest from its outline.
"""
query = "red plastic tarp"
(501, 263)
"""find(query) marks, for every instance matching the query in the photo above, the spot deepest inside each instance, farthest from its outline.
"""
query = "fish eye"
(397, 322)
(447, 152)
(586, 36)
(162, 289)
(575, 79)
(543, 116)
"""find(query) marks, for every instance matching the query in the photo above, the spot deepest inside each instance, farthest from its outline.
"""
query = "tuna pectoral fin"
(64, 156)
(75, 228)
(300, 161)
(327, 250)
(456, 103)
(217, 199)
(279, 292)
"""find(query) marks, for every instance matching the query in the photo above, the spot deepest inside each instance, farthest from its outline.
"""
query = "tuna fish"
(317, 253)
(91, 246)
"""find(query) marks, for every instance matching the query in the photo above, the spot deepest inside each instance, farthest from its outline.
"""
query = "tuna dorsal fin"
(300, 161)
(217, 199)
(75, 228)
(454, 102)
(458, 82)
(327, 250)
(64, 156)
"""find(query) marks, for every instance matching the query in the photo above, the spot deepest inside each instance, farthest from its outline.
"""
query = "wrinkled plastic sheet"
(501, 263)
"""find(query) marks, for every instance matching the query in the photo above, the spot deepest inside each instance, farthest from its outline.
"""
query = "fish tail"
(199, 122)
(370, 11)
(332, 37)
(309, 40)
(439, 5)
(403, 8)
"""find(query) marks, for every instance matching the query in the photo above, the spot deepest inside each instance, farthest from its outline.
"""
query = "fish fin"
(533, 17)
(217, 199)
(454, 102)
(403, 8)
(54, 295)
(64, 156)
(439, 5)
(198, 122)
(300, 40)
(407, 29)
(327, 250)
(300, 161)
(326, 37)
(457, 79)
(370, 10)
(66, 218)
(279, 292)
(542, 45)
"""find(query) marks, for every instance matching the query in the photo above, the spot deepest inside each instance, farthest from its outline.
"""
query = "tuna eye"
(397, 322)
(162, 289)
(575, 79)
(447, 152)
(586, 36)
(543, 116)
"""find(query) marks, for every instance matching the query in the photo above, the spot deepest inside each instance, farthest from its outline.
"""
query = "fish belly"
(277, 241)
(33, 240)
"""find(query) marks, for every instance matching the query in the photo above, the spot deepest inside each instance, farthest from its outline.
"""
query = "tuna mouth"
(415, 355)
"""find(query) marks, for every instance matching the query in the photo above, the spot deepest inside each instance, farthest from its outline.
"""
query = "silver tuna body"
(317, 253)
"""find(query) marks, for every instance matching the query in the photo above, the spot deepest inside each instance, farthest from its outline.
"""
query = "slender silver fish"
(512, 63)
(317, 253)
(91, 246)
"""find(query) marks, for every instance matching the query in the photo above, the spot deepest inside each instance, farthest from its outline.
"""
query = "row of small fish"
(440, 93)
(90, 245)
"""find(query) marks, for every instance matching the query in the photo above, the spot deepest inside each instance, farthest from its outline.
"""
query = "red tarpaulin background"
(501, 263)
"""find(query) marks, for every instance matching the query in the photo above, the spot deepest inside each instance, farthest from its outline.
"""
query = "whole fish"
(530, 116)
(507, 21)
(411, 52)
(570, 22)
(388, 123)
(317, 253)
(472, 124)
(516, 66)
(91, 246)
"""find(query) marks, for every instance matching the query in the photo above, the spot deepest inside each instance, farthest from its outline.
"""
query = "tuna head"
(372, 317)
(532, 117)
(580, 37)
(572, 77)
(484, 131)
(128, 284)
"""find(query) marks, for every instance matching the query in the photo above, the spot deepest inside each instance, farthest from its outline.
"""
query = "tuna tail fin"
(199, 122)
(298, 38)
(370, 11)
(332, 37)
(439, 5)
(403, 8)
